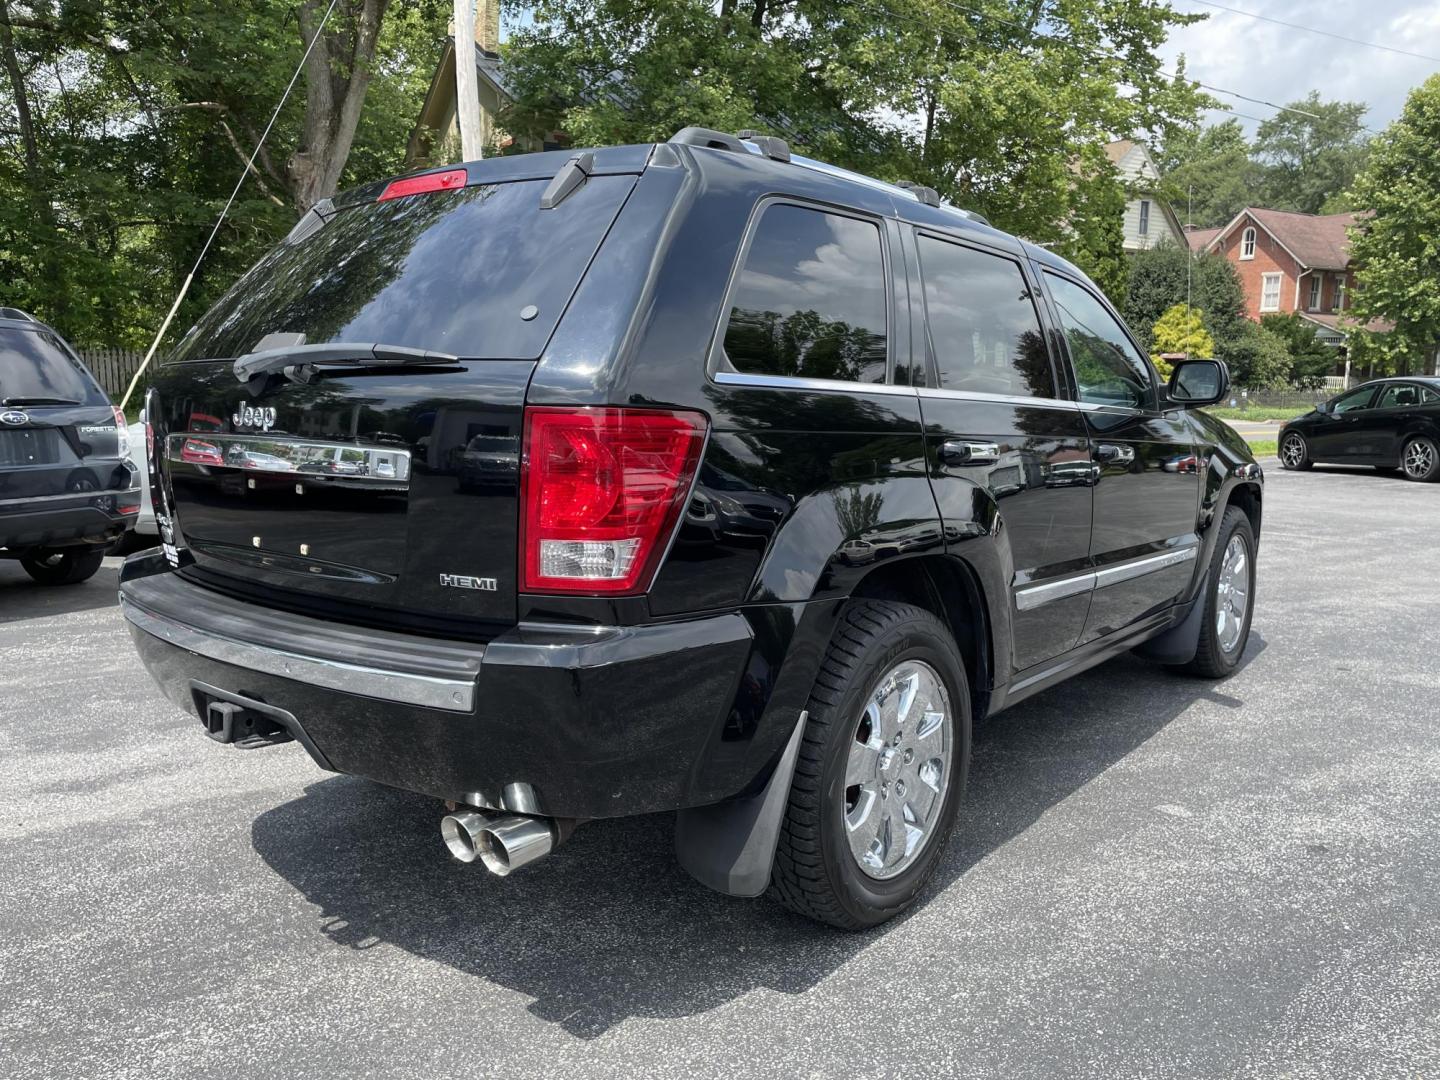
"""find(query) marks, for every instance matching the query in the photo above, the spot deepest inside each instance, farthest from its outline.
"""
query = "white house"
(1148, 218)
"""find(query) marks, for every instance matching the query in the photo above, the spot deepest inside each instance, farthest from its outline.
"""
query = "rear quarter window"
(810, 300)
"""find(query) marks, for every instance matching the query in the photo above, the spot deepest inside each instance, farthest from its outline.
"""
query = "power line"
(1237, 112)
(1323, 33)
(1255, 100)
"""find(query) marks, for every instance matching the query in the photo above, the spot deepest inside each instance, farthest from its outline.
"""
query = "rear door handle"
(1110, 454)
(956, 452)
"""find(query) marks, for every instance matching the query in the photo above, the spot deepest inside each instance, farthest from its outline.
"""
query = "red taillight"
(122, 432)
(419, 185)
(601, 489)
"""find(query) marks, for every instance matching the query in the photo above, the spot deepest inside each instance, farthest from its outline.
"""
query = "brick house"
(1289, 262)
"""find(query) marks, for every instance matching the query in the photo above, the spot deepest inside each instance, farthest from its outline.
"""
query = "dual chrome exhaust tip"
(502, 842)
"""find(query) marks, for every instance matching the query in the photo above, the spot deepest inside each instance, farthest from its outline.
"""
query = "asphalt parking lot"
(1157, 876)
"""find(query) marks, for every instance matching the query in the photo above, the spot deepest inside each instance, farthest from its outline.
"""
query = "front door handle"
(957, 452)
(1111, 454)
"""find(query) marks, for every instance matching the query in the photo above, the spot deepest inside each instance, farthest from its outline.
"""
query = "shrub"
(1310, 358)
(1180, 330)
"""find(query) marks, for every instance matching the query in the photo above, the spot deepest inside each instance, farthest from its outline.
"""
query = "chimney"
(487, 25)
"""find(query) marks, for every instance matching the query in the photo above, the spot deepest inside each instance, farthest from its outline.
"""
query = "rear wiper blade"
(293, 359)
(38, 401)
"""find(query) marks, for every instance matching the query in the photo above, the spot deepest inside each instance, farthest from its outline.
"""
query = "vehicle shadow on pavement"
(609, 927)
(21, 598)
(1394, 476)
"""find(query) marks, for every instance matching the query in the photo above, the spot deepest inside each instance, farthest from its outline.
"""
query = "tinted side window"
(1429, 397)
(1398, 396)
(1356, 399)
(810, 300)
(1108, 368)
(983, 326)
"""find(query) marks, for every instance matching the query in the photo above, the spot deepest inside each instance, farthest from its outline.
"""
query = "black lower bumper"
(593, 722)
(95, 517)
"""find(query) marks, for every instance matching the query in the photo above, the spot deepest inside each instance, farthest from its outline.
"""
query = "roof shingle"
(1318, 241)
(1199, 239)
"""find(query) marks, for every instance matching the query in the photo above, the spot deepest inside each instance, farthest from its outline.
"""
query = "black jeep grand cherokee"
(784, 475)
(67, 488)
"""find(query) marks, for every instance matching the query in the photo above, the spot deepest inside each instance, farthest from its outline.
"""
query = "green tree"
(138, 117)
(1159, 280)
(999, 107)
(1311, 155)
(1095, 239)
(1208, 175)
(1398, 248)
(1180, 330)
(1258, 358)
(1310, 358)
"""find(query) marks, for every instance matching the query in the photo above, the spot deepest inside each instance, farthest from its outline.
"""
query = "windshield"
(452, 271)
(36, 369)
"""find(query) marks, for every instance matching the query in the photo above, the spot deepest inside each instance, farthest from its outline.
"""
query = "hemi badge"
(462, 581)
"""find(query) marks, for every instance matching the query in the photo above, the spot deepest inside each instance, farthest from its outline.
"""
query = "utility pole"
(467, 86)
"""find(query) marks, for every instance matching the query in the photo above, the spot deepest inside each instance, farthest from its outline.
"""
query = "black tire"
(1294, 452)
(1420, 459)
(1212, 660)
(62, 566)
(815, 873)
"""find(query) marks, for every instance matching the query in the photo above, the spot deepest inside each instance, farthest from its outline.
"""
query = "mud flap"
(1179, 644)
(730, 847)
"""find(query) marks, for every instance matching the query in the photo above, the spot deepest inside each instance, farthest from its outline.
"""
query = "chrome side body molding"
(1034, 596)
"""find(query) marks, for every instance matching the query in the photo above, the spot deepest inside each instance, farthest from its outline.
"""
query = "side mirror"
(1324, 407)
(1198, 382)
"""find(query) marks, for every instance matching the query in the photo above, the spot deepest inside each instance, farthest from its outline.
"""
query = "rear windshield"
(36, 368)
(453, 271)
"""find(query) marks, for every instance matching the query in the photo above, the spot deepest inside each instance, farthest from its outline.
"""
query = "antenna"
(1189, 261)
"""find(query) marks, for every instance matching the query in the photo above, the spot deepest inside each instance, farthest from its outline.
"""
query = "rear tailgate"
(58, 432)
(384, 495)
(354, 495)
(59, 450)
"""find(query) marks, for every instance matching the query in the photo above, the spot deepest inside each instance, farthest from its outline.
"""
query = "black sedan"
(1389, 423)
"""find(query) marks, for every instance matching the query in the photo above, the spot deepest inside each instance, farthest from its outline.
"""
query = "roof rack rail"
(715, 140)
(772, 146)
(16, 313)
(777, 149)
(927, 195)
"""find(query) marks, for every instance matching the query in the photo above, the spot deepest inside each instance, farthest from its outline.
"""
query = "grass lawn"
(1258, 413)
(1263, 448)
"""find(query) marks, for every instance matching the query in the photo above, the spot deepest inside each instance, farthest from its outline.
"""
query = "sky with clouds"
(1280, 64)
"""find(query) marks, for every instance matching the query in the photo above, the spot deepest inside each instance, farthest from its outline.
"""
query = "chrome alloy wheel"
(898, 769)
(1232, 594)
(1293, 450)
(1419, 458)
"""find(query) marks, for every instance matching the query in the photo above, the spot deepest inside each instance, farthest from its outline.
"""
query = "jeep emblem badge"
(14, 416)
(464, 581)
(252, 416)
